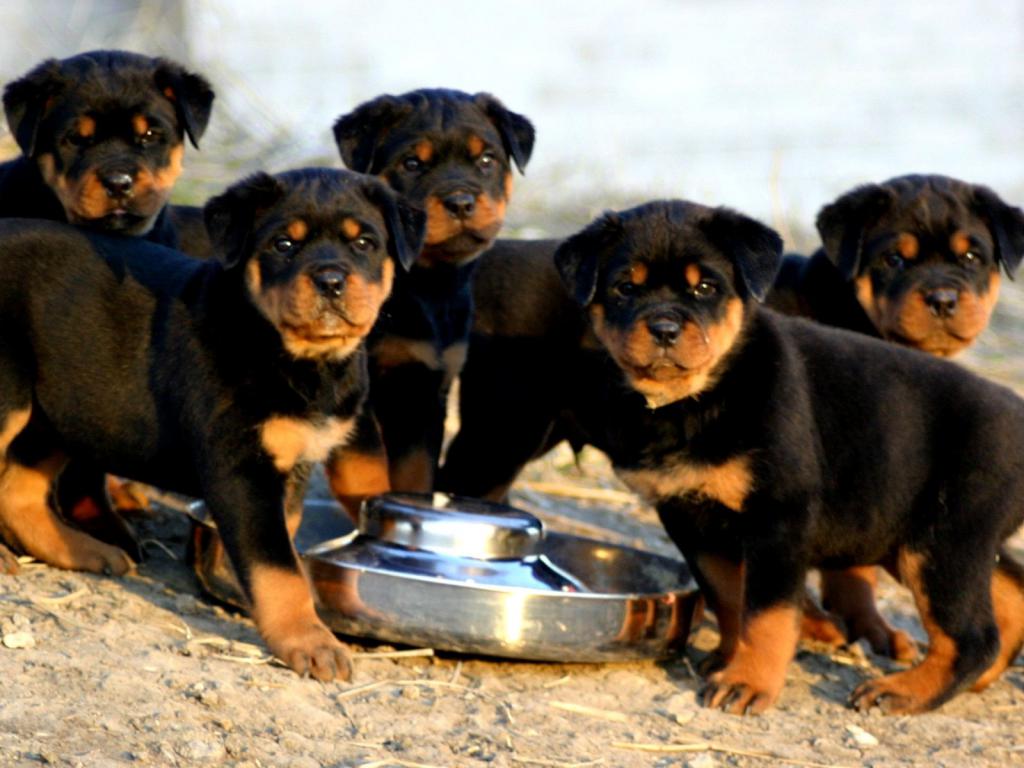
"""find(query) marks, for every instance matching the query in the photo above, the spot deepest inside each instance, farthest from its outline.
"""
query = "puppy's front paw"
(737, 694)
(313, 650)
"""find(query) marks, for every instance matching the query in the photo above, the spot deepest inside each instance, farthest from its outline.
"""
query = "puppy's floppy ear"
(517, 133)
(578, 259)
(358, 134)
(756, 250)
(26, 101)
(406, 224)
(190, 94)
(1006, 223)
(231, 216)
(841, 225)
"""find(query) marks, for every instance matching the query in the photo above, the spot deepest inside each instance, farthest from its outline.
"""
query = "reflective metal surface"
(459, 527)
(410, 575)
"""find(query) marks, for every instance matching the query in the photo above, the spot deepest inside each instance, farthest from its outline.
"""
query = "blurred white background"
(771, 107)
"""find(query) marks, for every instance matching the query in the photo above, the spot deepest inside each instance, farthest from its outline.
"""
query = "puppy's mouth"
(460, 248)
(122, 218)
(662, 368)
(943, 342)
(319, 339)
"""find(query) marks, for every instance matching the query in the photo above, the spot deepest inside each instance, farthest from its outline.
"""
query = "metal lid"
(451, 525)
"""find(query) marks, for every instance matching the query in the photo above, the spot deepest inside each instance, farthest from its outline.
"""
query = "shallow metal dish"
(470, 576)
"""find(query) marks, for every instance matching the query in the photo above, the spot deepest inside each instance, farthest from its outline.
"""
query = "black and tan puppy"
(915, 260)
(771, 445)
(240, 372)
(102, 136)
(102, 139)
(450, 153)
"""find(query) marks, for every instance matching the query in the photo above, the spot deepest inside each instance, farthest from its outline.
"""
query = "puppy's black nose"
(461, 205)
(330, 281)
(942, 301)
(665, 330)
(117, 183)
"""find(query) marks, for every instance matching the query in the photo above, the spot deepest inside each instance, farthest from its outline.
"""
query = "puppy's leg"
(81, 492)
(507, 416)
(409, 401)
(721, 582)
(764, 642)
(359, 469)
(850, 594)
(963, 639)
(27, 470)
(246, 499)
(1008, 604)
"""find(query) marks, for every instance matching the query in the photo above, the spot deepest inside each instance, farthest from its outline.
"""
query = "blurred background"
(774, 108)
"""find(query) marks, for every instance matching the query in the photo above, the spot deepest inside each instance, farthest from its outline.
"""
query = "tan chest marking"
(289, 440)
(729, 483)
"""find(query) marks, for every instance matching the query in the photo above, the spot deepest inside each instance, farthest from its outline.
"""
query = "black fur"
(211, 362)
(111, 88)
(855, 452)
(451, 153)
(860, 234)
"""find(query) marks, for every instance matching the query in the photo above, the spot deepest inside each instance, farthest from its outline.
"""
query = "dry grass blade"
(581, 709)
(368, 687)
(63, 599)
(243, 659)
(609, 495)
(560, 681)
(711, 746)
(555, 763)
(411, 653)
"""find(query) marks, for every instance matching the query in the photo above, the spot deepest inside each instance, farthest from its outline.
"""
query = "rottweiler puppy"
(450, 153)
(915, 260)
(102, 136)
(102, 139)
(770, 445)
(240, 373)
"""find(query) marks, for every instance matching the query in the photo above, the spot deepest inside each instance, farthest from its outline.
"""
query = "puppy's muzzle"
(664, 329)
(330, 280)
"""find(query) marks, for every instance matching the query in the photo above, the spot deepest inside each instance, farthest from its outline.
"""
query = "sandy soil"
(99, 671)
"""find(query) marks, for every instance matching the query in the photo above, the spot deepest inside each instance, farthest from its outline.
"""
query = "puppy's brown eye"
(704, 288)
(970, 257)
(627, 288)
(893, 259)
(283, 245)
(364, 244)
(149, 137)
(487, 161)
(412, 164)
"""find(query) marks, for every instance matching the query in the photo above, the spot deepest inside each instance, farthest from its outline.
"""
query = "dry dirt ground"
(100, 671)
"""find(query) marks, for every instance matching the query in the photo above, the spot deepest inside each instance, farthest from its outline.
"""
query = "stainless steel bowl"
(470, 576)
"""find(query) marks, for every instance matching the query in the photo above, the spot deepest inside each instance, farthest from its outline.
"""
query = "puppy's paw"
(313, 650)
(731, 692)
(82, 552)
(901, 694)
